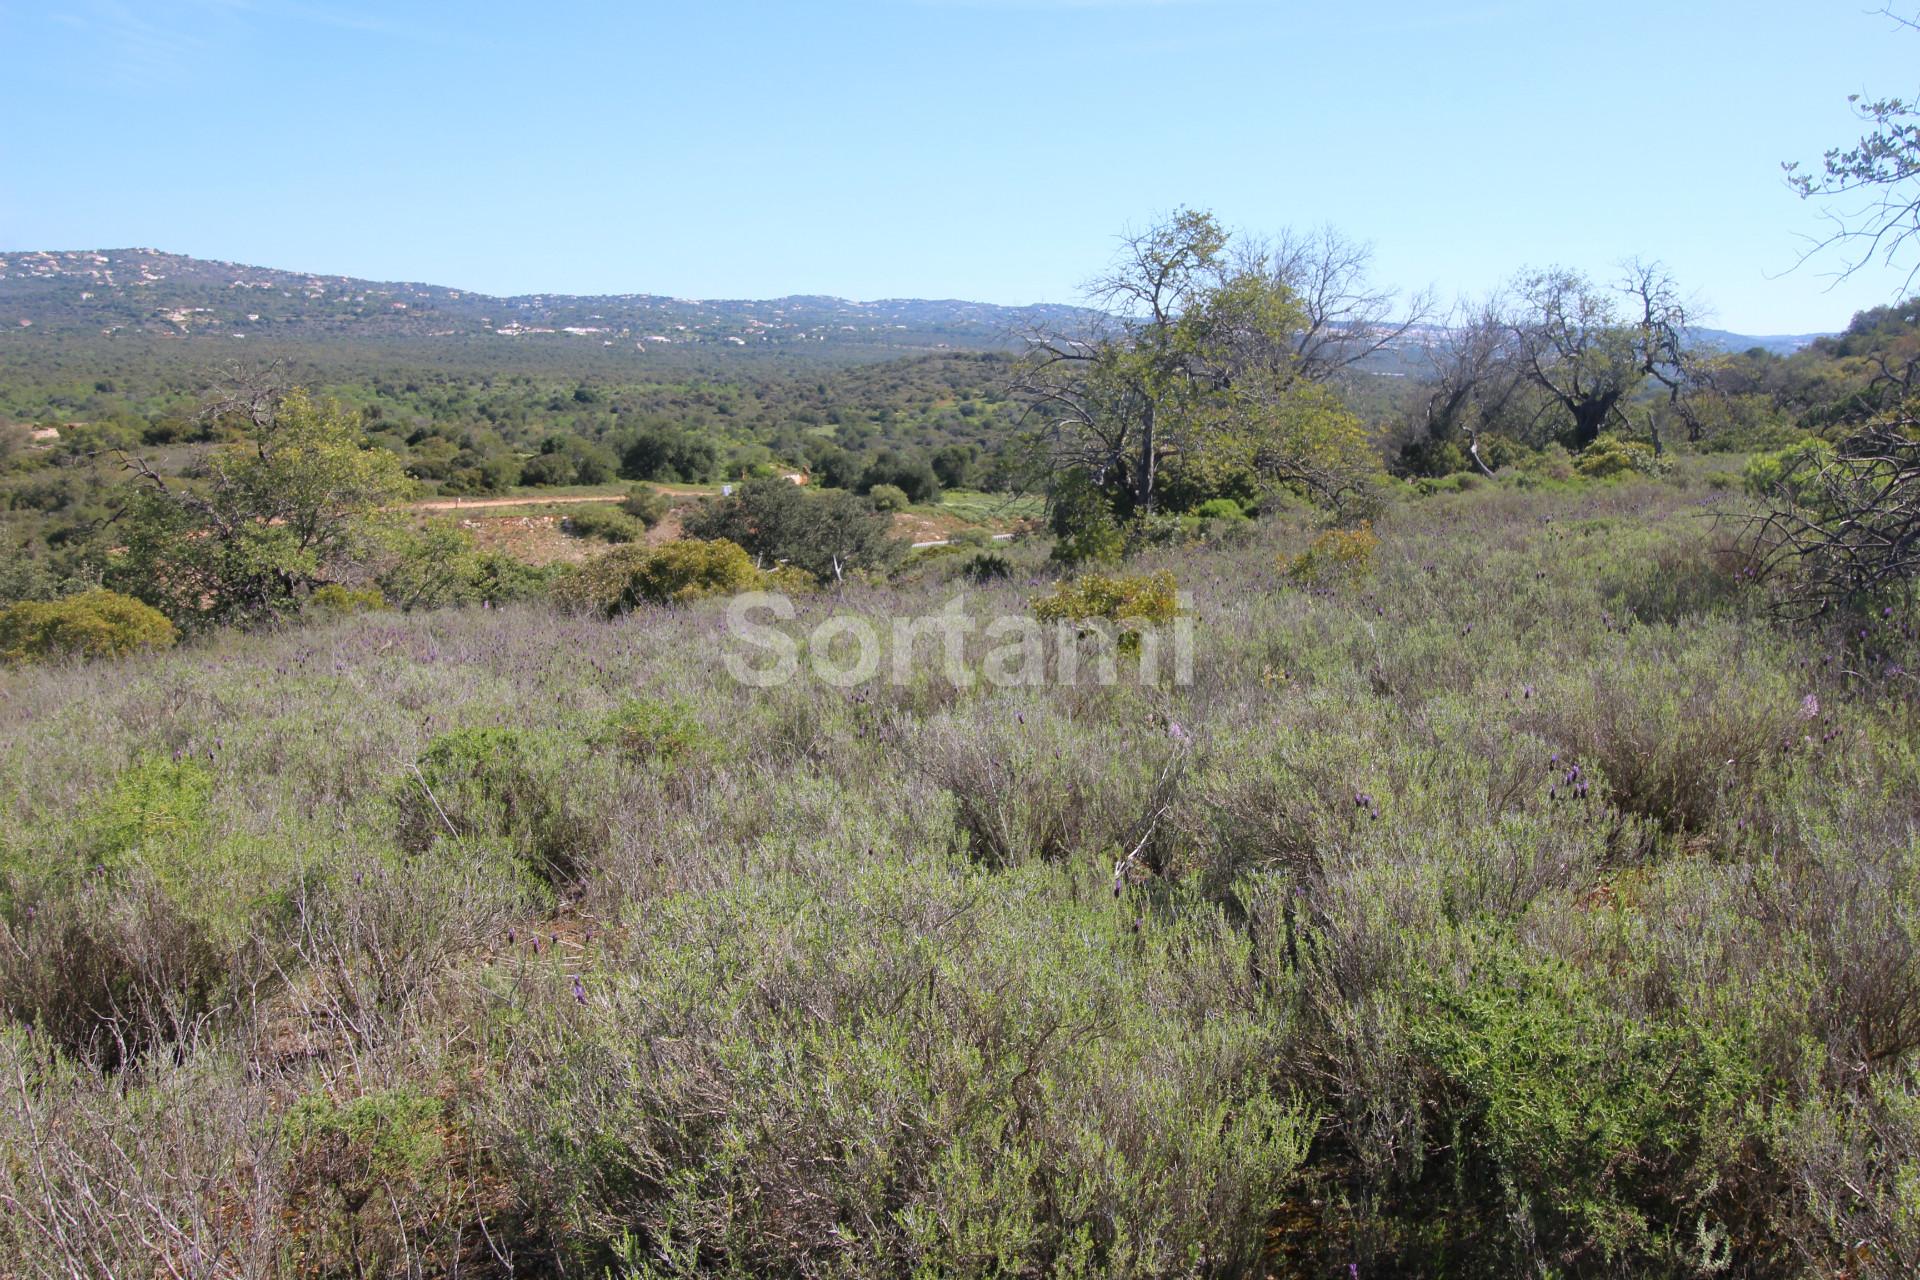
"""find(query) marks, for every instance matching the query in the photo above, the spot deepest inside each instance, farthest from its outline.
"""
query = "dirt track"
(473, 504)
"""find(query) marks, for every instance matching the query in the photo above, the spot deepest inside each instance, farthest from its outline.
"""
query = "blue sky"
(987, 149)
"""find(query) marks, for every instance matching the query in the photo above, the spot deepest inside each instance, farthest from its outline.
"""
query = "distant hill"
(155, 326)
(1779, 344)
(125, 292)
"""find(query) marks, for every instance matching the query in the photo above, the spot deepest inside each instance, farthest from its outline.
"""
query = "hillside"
(1533, 898)
(144, 292)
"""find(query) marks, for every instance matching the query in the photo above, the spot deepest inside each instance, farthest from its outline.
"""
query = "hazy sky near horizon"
(983, 149)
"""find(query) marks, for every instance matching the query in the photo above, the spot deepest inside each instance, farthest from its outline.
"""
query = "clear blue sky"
(986, 149)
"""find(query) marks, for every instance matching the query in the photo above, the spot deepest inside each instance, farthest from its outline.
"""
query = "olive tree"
(259, 522)
(1193, 368)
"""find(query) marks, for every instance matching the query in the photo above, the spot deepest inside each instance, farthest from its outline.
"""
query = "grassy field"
(1532, 905)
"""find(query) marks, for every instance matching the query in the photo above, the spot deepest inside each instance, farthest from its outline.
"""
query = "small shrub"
(609, 524)
(367, 1178)
(648, 506)
(95, 624)
(338, 601)
(676, 573)
(1220, 509)
(1131, 601)
(688, 570)
(494, 784)
(888, 497)
(1337, 557)
(988, 566)
(1611, 456)
(1787, 474)
(643, 729)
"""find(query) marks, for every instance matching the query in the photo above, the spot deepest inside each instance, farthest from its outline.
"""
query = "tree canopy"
(260, 522)
(1194, 383)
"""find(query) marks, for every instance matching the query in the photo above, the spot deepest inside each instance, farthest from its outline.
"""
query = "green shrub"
(339, 601)
(676, 573)
(888, 497)
(1581, 1128)
(368, 1183)
(1338, 557)
(643, 730)
(95, 624)
(114, 948)
(988, 566)
(1220, 509)
(609, 524)
(647, 505)
(481, 785)
(1610, 456)
(1786, 474)
(1130, 601)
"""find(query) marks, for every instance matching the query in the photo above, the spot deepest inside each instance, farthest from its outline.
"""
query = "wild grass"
(1533, 905)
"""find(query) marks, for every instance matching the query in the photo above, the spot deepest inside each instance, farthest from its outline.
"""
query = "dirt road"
(474, 504)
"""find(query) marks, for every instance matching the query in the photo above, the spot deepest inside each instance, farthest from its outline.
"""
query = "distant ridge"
(128, 292)
(145, 291)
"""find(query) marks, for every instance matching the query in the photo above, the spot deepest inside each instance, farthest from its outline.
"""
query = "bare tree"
(1348, 316)
(1844, 528)
(1573, 342)
(1474, 377)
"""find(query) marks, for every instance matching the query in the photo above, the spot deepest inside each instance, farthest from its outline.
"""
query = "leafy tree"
(259, 522)
(666, 453)
(1197, 378)
(825, 533)
(913, 476)
(953, 465)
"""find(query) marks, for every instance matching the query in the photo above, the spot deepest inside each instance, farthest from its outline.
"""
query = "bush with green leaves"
(335, 599)
(1219, 509)
(646, 730)
(678, 572)
(988, 566)
(1338, 557)
(609, 524)
(365, 1174)
(646, 504)
(1131, 603)
(888, 497)
(94, 624)
(1610, 455)
(828, 534)
(488, 788)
